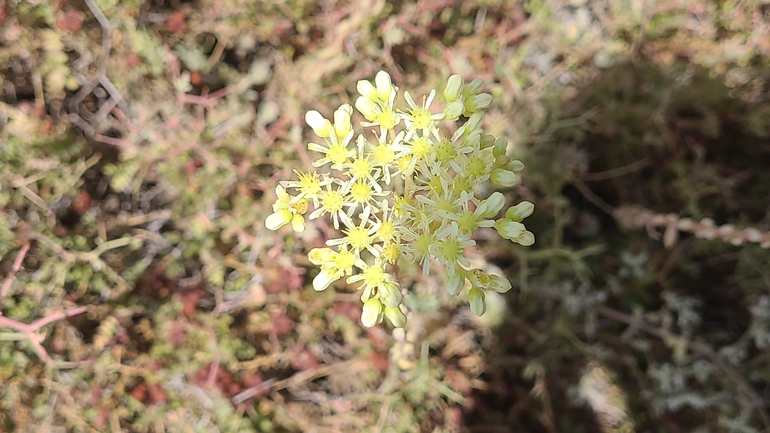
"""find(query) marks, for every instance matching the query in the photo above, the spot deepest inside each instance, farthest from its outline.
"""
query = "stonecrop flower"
(404, 191)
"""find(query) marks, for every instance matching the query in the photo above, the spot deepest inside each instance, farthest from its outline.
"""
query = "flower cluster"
(404, 192)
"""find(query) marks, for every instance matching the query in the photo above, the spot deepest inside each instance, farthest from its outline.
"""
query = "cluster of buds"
(404, 192)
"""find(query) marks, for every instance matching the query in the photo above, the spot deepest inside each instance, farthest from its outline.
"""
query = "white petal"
(278, 219)
(323, 279)
(365, 89)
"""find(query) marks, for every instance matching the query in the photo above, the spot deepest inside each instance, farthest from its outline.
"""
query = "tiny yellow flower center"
(445, 204)
(477, 167)
(387, 119)
(374, 276)
(387, 231)
(390, 253)
(338, 153)
(467, 222)
(423, 242)
(360, 167)
(399, 205)
(461, 183)
(332, 200)
(445, 152)
(421, 117)
(359, 238)
(383, 154)
(344, 260)
(420, 147)
(361, 192)
(482, 277)
(309, 183)
(299, 207)
(449, 249)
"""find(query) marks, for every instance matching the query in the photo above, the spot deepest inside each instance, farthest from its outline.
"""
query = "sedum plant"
(406, 192)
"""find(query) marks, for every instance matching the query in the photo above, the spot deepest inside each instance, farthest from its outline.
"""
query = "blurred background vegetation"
(141, 142)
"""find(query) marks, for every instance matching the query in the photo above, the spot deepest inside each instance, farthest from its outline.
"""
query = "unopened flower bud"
(526, 239)
(516, 165)
(384, 85)
(520, 211)
(342, 125)
(479, 278)
(454, 110)
(509, 229)
(390, 295)
(472, 140)
(487, 141)
(501, 146)
(491, 206)
(454, 284)
(478, 102)
(503, 177)
(476, 301)
(474, 123)
(473, 88)
(372, 312)
(396, 317)
(453, 88)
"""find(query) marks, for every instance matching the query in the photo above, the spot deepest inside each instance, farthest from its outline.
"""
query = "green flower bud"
(455, 283)
(473, 139)
(509, 229)
(487, 141)
(520, 211)
(503, 177)
(454, 110)
(476, 301)
(396, 317)
(478, 102)
(453, 88)
(491, 206)
(372, 313)
(390, 295)
(474, 123)
(473, 88)
(501, 146)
